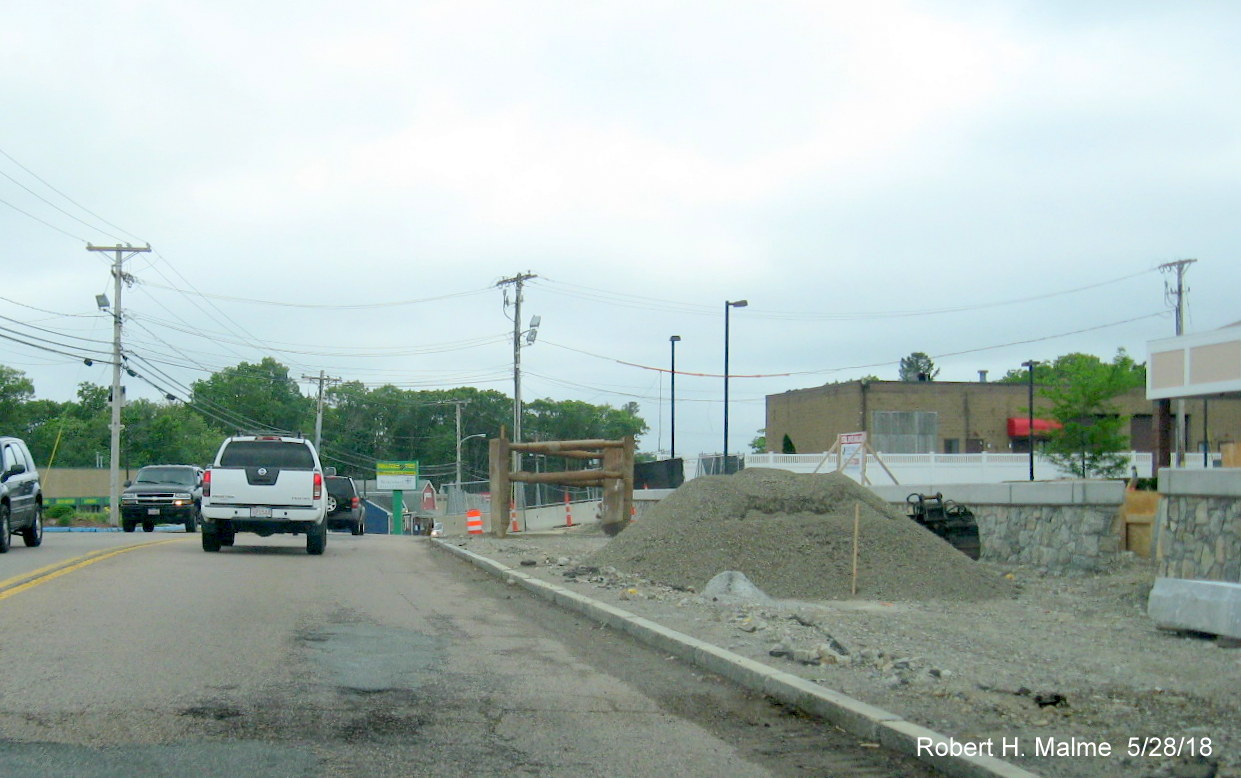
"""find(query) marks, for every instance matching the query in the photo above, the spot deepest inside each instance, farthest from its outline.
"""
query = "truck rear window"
(267, 453)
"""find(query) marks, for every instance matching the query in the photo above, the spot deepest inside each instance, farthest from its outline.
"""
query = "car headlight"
(129, 498)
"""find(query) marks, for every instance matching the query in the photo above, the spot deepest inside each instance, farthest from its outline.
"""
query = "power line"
(67, 197)
(322, 306)
(658, 304)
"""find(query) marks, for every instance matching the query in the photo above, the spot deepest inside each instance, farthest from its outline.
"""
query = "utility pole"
(1180, 267)
(322, 380)
(114, 462)
(517, 281)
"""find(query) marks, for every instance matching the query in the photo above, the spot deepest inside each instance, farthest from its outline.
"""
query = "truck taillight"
(207, 484)
(318, 485)
(354, 502)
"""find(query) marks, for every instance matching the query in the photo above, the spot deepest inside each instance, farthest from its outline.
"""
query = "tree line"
(360, 424)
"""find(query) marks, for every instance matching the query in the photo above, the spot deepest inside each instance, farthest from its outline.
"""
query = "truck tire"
(33, 535)
(148, 526)
(128, 525)
(211, 540)
(358, 528)
(191, 524)
(316, 538)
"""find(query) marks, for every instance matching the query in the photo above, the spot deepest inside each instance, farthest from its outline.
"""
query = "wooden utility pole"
(320, 379)
(114, 460)
(517, 282)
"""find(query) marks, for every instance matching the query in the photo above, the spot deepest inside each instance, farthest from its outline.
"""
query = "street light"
(1030, 414)
(728, 306)
(673, 344)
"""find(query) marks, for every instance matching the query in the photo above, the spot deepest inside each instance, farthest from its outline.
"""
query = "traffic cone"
(474, 521)
(512, 513)
(568, 511)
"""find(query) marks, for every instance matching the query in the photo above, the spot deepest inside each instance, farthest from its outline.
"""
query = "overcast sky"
(986, 182)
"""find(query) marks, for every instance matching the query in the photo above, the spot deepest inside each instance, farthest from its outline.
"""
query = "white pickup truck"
(265, 484)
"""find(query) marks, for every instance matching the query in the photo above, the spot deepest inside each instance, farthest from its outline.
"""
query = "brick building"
(903, 417)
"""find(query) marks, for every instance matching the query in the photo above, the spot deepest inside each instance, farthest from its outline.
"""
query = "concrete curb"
(853, 716)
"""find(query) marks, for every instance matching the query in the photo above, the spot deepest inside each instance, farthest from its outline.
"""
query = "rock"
(733, 586)
(829, 656)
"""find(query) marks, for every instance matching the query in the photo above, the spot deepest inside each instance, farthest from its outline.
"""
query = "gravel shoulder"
(1068, 660)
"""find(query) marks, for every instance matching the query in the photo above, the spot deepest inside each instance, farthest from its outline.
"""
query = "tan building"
(960, 417)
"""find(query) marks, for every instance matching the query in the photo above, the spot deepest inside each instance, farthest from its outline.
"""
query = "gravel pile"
(791, 534)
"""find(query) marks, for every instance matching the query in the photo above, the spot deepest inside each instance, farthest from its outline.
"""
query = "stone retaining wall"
(1198, 529)
(1059, 526)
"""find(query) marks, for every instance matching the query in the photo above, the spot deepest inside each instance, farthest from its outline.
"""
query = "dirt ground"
(1066, 663)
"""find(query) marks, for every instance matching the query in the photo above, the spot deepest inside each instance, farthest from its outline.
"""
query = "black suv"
(21, 496)
(163, 494)
(344, 507)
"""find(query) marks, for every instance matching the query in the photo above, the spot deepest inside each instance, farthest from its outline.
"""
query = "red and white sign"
(428, 497)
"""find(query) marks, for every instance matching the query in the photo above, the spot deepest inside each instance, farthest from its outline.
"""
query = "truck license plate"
(260, 512)
(152, 511)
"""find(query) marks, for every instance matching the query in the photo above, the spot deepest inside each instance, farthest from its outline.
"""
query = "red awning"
(1019, 427)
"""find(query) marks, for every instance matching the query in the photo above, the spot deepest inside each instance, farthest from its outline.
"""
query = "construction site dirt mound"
(792, 535)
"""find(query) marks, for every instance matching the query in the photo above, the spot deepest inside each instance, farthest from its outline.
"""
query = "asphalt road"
(141, 655)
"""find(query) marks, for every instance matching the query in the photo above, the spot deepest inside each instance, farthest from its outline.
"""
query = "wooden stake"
(857, 517)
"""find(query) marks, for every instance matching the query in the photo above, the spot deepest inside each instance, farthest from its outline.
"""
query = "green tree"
(1081, 389)
(918, 367)
(255, 397)
(15, 390)
(164, 433)
(577, 420)
(759, 444)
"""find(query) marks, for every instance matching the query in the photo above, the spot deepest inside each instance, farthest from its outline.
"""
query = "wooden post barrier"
(615, 476)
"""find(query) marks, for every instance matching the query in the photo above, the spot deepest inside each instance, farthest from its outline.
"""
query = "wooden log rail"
(615, 475)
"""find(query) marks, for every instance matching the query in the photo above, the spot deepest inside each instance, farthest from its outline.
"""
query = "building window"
(952, 445)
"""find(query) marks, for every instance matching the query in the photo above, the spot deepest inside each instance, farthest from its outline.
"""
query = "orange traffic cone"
(474, 521)
(512, 514)
(568, 511)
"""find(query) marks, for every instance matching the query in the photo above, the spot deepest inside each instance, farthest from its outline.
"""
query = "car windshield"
(178, 476)
(267, 453)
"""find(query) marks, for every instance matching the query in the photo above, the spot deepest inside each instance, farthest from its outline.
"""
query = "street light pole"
(1030, 413)
(672, 341)
(728, 306)
(459, 442)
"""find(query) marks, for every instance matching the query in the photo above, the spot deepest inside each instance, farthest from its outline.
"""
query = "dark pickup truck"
(163, 494)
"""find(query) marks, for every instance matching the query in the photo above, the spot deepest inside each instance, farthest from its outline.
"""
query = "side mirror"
(329, 471)
(128, 484)
(16, 469)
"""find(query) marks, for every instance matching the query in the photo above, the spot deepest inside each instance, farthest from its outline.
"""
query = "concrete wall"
(1198, 529)
(1055, 525)
(76, 482)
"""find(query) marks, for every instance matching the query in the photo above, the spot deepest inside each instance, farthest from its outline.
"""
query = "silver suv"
(21, 495)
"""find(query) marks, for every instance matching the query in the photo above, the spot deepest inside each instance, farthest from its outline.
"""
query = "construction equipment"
(950, 520)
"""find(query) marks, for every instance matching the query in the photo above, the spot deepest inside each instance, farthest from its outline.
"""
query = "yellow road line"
(57, 569)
